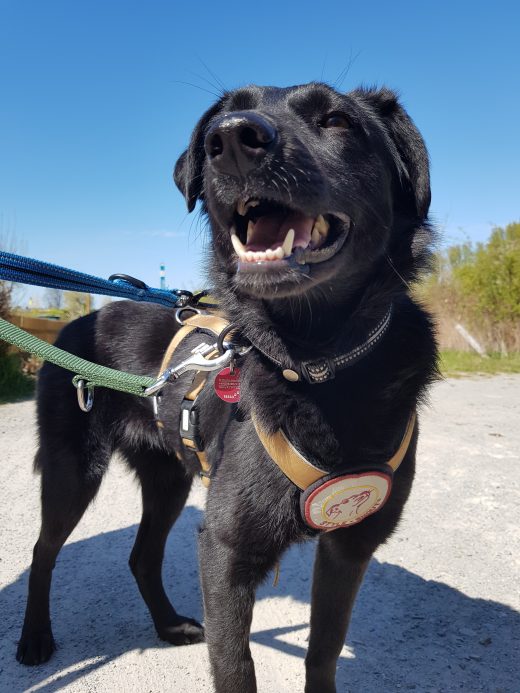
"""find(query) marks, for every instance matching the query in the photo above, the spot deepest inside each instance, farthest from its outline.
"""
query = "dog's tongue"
(270, 230)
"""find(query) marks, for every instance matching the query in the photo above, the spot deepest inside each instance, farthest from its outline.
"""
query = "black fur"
(375, 170)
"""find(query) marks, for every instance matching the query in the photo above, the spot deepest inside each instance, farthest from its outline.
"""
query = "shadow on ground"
(406, 632)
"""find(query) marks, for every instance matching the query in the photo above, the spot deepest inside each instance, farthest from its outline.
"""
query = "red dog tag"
(227, 385)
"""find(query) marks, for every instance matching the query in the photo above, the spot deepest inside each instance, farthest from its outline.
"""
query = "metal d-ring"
(180, 311)
(220, 339)
(80, 387)
(224, 346)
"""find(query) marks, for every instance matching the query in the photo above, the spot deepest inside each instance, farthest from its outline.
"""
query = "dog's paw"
(35, 648)
(185, 631)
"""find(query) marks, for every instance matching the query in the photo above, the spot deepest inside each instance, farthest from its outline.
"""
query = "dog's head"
(307, 188)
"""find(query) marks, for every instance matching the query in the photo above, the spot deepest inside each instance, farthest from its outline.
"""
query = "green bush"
(479, 286)
(14, 384)
(490, 275)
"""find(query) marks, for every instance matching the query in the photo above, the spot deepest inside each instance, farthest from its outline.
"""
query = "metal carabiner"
(80, 388)
(196, 362)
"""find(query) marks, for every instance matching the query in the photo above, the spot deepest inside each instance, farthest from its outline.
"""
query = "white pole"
(162, 275)
(471, 340)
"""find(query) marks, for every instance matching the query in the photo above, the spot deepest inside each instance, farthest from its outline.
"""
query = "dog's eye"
(335, 120)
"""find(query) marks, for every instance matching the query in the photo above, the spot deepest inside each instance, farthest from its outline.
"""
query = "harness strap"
(214, 324)
(302, 472)
(292, 463)
(199, 381)
(177, 339)
(395, 461)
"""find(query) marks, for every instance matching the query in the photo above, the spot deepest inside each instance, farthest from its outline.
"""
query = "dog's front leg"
(229, 581)
(337, 578)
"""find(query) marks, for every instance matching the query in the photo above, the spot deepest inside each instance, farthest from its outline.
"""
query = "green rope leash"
(92, 373)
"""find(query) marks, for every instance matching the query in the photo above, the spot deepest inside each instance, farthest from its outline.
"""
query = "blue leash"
(15, 268)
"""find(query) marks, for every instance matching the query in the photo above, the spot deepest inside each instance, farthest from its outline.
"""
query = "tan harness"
(328, 501)
(302, 472)
(214, 324)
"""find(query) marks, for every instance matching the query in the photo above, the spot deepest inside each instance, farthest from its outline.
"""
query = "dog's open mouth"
(269, 233)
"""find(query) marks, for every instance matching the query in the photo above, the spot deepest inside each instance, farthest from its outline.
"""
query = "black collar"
(318, 370)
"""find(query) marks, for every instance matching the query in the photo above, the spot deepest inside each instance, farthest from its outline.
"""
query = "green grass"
(14, 384)
(458, 363)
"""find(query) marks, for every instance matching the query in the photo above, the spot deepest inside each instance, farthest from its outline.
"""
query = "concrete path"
(437, 612)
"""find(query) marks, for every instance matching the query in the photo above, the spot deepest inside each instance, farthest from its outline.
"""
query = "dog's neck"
(310, 323)
(296, 331)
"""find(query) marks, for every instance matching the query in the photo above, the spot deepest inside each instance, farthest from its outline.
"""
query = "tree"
(479, 285)
(490, 277)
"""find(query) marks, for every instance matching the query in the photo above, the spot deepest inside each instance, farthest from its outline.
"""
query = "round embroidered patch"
(346, 499)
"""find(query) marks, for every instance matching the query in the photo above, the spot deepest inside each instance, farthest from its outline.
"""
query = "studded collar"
(321, 370)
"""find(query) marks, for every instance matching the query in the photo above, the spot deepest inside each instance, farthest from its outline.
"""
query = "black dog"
(317, 203)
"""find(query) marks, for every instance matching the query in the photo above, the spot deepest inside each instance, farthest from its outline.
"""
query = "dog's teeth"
(250, 256)
(321, 225)
(251, 203)
(278, 253)
(250, 229)
(320, 231)
(270, 254)
(237, 245)
(288, 243)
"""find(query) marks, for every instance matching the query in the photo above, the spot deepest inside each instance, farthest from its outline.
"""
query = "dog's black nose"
(238, 142)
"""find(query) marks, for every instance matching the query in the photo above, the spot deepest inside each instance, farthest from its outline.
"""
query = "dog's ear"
(188, 172)
(408, 141)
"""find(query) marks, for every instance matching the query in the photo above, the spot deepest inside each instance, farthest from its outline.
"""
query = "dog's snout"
(238, 142)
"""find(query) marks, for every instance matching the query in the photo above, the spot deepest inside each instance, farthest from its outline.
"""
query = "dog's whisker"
(394, 268)
(196, 86)
(296, 181)
(341, 77)
(215, 77)
(304, 173)
(217, 87)
(287, 187)
(285, 183)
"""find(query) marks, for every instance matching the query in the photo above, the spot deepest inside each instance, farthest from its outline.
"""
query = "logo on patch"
(345, 500)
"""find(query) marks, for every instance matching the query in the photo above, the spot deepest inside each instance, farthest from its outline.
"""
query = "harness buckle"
(189, 425)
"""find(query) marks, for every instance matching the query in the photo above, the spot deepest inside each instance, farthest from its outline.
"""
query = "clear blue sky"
(94, 110)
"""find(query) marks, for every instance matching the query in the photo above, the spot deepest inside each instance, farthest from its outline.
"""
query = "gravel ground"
(438, 610)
